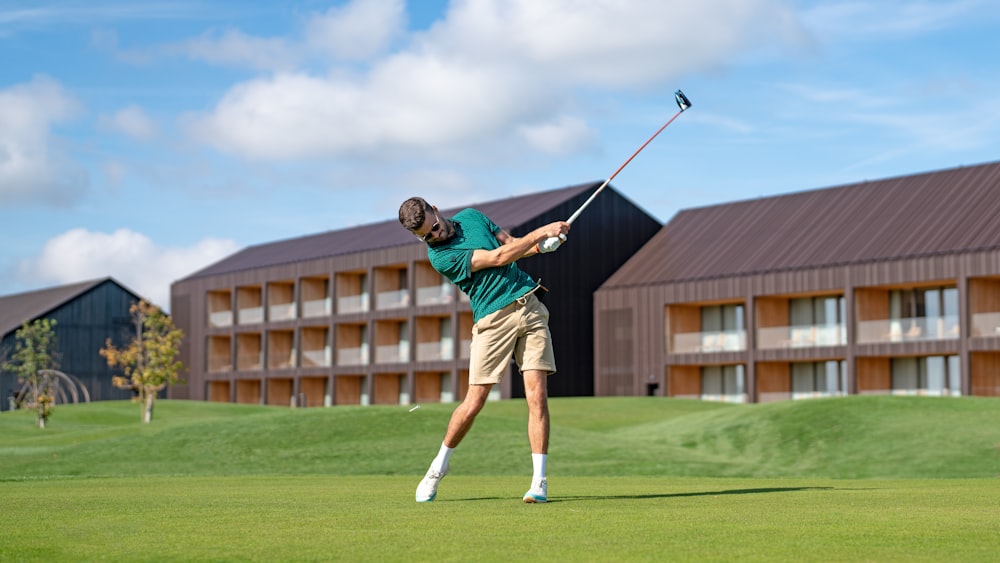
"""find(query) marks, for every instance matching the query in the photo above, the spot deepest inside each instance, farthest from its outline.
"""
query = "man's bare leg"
(461, 421)
(537, 395)
(465, 414)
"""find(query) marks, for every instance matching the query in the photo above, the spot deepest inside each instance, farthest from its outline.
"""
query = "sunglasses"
(434, 229)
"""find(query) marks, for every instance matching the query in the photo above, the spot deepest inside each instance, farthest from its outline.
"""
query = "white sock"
(441, 461)
(538, 463)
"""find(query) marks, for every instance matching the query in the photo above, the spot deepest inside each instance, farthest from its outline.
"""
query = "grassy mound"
(850, 437)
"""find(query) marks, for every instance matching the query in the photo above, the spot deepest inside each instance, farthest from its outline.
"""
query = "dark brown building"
(358, 316)
(87, 314)
(891, 286)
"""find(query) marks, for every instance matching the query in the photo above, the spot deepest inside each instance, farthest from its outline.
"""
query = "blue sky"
(146, 140)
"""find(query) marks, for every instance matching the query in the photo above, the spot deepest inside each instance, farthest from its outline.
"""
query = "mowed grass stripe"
(374, 518)
(850, 437)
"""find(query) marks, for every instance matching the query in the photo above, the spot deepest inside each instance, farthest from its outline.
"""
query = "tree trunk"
(41, 421)
(148, 414)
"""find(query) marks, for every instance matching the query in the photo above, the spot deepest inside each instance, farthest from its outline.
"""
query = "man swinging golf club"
(509, 321)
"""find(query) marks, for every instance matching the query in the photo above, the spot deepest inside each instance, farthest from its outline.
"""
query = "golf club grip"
(586, 203)
(577, 213)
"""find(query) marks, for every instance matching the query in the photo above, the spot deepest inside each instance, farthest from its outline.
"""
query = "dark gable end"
(508, 213)
(19, 308)
(87, 314)
(943, 212)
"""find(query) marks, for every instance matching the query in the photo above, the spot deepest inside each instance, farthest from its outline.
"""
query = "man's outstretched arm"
(514, 248)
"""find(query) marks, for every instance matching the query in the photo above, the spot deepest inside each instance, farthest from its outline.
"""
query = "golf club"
(683, 103)
(552, 243)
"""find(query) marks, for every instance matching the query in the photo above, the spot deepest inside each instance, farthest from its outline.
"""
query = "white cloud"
(128, 256)
(32, 167)
(488, 73)
(131, 121)
(563, 135)
(615, 44)
(235, 48)
(354, 31)
(357, 30)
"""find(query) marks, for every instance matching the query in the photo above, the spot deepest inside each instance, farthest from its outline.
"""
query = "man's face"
(433, 229)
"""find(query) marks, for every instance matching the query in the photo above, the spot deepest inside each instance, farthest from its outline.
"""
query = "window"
(220, 308)
(315, 347)
(818, 321)
(249, 305)
(722, 318)
(722, 328)
(818, 379)
(352, 293)
(723, 383)
(315, 297)
(924, 313)
(280, 301)
(930, 375)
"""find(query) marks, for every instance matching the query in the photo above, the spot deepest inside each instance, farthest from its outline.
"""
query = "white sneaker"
(538, 491)
(428, 487)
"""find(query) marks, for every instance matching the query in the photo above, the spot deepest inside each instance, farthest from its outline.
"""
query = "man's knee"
(475, 397)
(535, 388)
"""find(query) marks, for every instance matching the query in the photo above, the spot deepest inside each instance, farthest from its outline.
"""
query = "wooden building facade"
(358, 316)
(890, 286)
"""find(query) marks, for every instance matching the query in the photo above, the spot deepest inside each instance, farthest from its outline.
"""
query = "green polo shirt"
(489, 289)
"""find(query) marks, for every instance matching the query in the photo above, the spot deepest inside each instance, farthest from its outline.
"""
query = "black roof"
(508, 213)
(19, 308)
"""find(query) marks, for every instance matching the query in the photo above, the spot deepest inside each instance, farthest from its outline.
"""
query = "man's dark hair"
(413, 213)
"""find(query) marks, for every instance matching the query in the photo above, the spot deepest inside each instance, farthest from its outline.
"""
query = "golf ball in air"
(415, 408)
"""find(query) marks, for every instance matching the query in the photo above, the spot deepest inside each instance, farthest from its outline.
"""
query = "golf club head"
(682, 101)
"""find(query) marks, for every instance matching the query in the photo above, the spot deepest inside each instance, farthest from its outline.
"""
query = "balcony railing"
(281, 312)
(714, 341)
(801, 336)
(316, 307)
(392, 299)
(434, 295)
(249, 362)
(724, 397)
(219, 364)
(986, 324)
(251, 315)
(352, 356)
(434, 351)
(771, 396)
(392, 353)
(316, 358)
(220, 318)
(911, 329)
(465, 349)
(352, 304)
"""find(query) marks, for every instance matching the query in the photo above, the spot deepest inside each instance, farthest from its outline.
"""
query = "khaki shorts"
(519, 330)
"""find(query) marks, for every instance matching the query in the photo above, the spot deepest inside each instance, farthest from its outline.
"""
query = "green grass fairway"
(848, 479)
(374, 518)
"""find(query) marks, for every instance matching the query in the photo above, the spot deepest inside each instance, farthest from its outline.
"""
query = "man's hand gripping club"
(555, 236)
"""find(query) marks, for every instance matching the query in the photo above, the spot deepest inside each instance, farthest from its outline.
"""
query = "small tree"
(33, 360)
(149, 359)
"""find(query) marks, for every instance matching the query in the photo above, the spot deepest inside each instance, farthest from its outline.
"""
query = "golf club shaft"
(624, 164)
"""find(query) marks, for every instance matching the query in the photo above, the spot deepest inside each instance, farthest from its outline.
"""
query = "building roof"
(943, 212)
(19, 308)
(507, 213)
